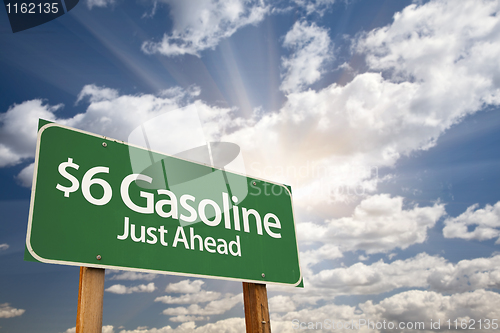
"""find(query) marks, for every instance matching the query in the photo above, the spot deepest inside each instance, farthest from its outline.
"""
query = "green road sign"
(100, 202)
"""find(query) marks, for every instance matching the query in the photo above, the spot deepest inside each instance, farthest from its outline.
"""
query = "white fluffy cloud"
(422, 271)
(200, 25)
(281, 303)
(108, 114)
(409, 306)
(311, 49)
(193, 294)
(435, 64)
(466, 275)
(378, 224)
(121, 289)
(378, 277)
(230, 325)
(4, 246)
(422, 306)
(414, 306)
(6, 311)
(198, 297)
(216, 307)
(486, 222)
(25, 177)
(18, 130)
(185, 287)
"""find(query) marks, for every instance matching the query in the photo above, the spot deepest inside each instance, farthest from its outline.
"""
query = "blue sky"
(388, 107)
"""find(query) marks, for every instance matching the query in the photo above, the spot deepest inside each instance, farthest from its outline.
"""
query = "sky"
(380, 114)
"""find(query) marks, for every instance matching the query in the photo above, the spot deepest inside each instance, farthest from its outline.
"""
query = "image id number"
(32, 8)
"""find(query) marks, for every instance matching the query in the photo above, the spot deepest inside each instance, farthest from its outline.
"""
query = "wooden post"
(256, 308)
(90, 296)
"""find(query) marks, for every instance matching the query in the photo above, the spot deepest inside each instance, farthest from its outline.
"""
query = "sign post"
(256, 308)
(101, 203)
(90, 300)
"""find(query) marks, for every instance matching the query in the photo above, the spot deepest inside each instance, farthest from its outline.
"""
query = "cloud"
(230, 325)
(486, 221)
(105, 329)
(378, 224)
(25, 177)
(185, 286)
(466, 275)
(315, 6)
(121, 289)
(339, 135)
(18, 130)
(378, 277)
(422, 306)
(311, 49)
(99, 3)
(132, 276)
(414, 306)
(431, 67)
(183, 318)
(200, 25)
(216, 307)
(310, 258)
(421, 271)
(4, 246)
(6, 311)
(108, 114)
(281, 303)
(197, 297)
(97, 94)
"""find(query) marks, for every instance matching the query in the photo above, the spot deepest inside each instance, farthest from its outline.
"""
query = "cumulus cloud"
(108, 114)
(311, 49)
(121, 289)
(18, 130)
(184, 318)
(6, 311)
(216, 307)
(281, 303)
(97, 94)
(378, 277)
(435, 64)
(466, 275)
(200, 25)
(310, 258)
(421, 271)
(486, 223)
(378, 224)
(414, 306)
(422, 306)
(198, 297)
(230, 325)
(185, 287)
(4, 246)
(192, 294)
(25, 177)
(132, 276)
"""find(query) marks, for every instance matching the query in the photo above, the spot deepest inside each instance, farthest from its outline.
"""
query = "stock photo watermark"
(332, 181)
(456, 324)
